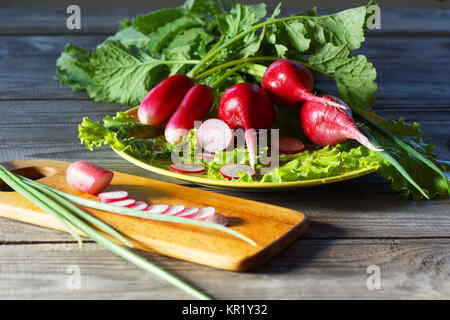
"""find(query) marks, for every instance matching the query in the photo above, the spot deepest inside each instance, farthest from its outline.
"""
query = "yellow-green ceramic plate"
(162, 167)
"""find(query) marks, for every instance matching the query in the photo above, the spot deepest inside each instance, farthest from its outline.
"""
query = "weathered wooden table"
(353, 225)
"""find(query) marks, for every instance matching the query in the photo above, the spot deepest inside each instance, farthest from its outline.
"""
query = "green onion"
(58, 209)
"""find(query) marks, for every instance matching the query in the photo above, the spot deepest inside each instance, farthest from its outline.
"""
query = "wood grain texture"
(308, 269)
(352, 224)
(271, 228)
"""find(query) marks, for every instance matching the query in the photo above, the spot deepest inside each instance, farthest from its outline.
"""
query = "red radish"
(189, 212)
(290, 145)
(208, 156)
(162, 101)
(112, 196)
(217, 218)
(328, 126)
(187, 168)
(158, 208)
(140, 205)
(173, 211)
(214, 134)
(205, 213)
(248, 107)
(289, 84)
(195, 105)
(124, 203)
(88, 177)
(230, 171)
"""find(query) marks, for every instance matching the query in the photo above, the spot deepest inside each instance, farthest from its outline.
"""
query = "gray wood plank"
(41, 20)
(308, 269)
(411, 71)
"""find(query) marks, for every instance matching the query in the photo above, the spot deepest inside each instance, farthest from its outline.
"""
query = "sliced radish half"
(140, 205)
(290, 145)
(112, 196)
(124, 203)
(205, 213)
(217, 218)
(158, 208)
(230, 171)
(175, 210)
(214, 134)
(189, 212)
(187, 168)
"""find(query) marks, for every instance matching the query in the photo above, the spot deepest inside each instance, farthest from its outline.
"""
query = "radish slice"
(112, 196)
(88, 177)
(189, 212)
(158, 208)
(206, 155)
(214, 134)
(187, 168)
(140, 205)
(217, 218)
(291, 145)
(124, 203)
(175, 210)
(205, 213)
(230, 171)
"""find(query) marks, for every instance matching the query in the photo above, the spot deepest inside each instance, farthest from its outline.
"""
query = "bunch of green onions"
(62, 207)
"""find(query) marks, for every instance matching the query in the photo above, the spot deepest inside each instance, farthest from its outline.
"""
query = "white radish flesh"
(87, 177)
(112, 196)
(209, 156)
(158, 208)
(217, 218)
(140, 205)
(189, 212)
(230, 171)
(187, 168)
(175, 210)
(205, 213)
(290, 145)
(124, 203)
(214, 134)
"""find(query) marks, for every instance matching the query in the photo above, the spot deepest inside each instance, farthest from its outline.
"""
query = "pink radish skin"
(329, 126)
(140, 205)
(124, 203)
(205, 213)
(230, 171)
(87, 177)
(247, 107)
(112, 196)
(214, 134)
(175, 210)
(208, 156)
(217, 218)
(162, 101)
(289, 84)
(290, 145)
(189, 212)
(187, 168)
(194, 107)
(158, 208)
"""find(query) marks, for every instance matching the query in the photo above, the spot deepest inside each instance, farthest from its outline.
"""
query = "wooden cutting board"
(271, 227)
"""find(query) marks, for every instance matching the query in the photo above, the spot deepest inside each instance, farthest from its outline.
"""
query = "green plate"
(162, 167)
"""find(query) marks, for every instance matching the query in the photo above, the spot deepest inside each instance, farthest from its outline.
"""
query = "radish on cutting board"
(214, 134)
(230, 171)
(174, 210)
(124, 203)
(189, 212)
(204, 213)
(217, 218)
(140, 205)
(112, 196)
(87, 177)
(187, 168)
(290, 145)
(158, 208)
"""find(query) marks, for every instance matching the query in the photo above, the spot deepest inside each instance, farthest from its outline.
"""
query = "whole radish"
(324, 125)
(248, 107)
(162, 101)
(195, 105)
(289, 84)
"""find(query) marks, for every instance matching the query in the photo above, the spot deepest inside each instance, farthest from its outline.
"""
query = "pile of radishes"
(325, 120)
(87, 177)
